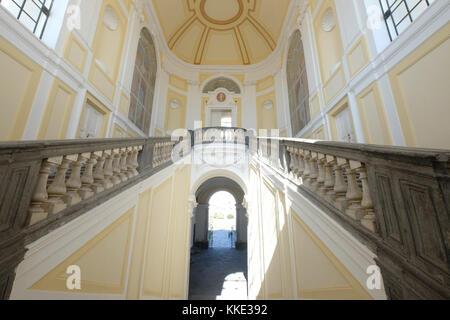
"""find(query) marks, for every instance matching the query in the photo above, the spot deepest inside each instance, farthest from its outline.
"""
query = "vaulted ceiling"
(222, 32)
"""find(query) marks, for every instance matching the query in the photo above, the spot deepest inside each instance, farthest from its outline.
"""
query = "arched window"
(143, 87)
(297, 85)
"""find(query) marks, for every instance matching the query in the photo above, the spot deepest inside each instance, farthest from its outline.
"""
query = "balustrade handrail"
(361, 150)
(394, 199)
(46, 184)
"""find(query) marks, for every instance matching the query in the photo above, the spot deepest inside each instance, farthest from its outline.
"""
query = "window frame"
(388, 15)
(44, 13)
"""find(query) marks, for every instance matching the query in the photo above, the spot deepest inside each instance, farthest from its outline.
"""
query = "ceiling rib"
(264, 33)
(180, 31)
(242, 47)
(201, 46)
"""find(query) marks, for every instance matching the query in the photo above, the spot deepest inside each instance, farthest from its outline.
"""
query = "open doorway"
(218, 269)
(222, 221)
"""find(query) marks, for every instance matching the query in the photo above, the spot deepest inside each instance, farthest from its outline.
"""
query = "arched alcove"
(222, 82)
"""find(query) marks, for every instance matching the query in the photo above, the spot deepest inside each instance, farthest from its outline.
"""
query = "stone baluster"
(165, 153)
(99, 173)
(130, 172)
(38, 210)
(73, 184)
(301, 164)
(156, 155)
(108, 170)
(57, 190)
(340, 186)
(88, 179)
(314, 174)
(354, 194)
(321, 160)
(294, 162)
(330, 195)
(123, 164)
(307, 172)
(116, 167)
(133, 161)
(369, 219)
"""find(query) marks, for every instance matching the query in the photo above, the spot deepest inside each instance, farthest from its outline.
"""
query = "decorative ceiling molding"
(217, 32)
(171, 63)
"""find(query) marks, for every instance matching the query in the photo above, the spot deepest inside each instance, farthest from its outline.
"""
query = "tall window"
(297, 85)
(399, 14)
(143, 87)
(33, 14)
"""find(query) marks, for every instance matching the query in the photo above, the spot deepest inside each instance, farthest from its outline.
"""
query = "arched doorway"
(218, 268)
(222, 220)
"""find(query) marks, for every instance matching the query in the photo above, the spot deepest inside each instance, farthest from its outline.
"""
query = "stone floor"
(218, 274)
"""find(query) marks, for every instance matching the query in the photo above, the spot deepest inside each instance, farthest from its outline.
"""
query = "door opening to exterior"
(218, 269)
(222, 221)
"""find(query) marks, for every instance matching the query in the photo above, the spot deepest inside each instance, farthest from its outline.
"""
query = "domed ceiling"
(222, 32)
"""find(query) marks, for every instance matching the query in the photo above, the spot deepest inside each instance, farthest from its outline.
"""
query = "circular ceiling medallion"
(328, 20)
(221, 97)
(222, 13)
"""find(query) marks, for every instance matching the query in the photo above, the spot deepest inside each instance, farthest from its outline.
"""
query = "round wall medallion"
(221, 97)
(268, 105)
(175, 104)
(110, 19)
(328, 20)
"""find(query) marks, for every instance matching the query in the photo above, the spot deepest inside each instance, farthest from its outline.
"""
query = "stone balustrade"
(395, 200)
(341, 182)
(46, 184)
(162, 153)
(90, 173)
(220, 135)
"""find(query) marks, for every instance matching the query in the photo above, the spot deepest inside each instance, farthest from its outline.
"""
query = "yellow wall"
(373, 116)
(124, 104)
(267, 119)
(17, 90)
(320, 275)
(103, 261)
(420, 85)
(265, 84)
(286, 259)
(150, 262)
(57, 113)
(178, 83)
(107, 48)
(315, 106)
(90, 99)
(175, 118)
(320, 134)
(332, 114)
(75, 53)
(118, 132)
(329, 44)
(358, 56)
